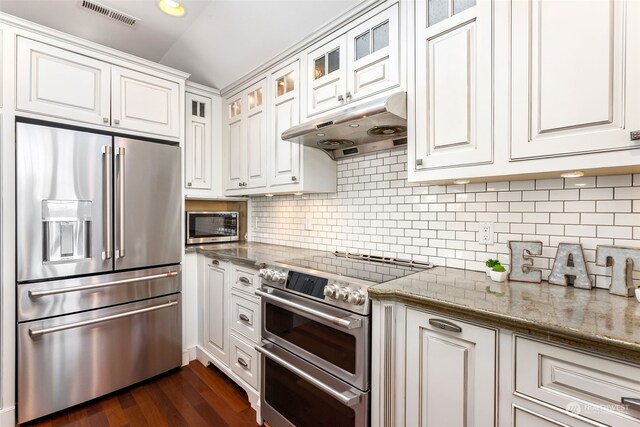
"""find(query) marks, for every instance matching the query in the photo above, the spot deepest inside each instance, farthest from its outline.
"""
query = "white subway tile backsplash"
(376, 211)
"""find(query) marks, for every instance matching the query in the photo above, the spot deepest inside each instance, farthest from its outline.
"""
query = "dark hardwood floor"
(193, 395)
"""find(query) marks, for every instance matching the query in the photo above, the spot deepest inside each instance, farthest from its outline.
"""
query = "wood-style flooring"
(193, 395)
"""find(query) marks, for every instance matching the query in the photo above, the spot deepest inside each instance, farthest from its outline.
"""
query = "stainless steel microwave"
(210, 227)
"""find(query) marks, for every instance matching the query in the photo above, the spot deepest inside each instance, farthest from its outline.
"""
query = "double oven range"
(316, 337)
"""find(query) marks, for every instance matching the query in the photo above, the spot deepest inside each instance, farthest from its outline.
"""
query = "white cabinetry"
(575, 77)
(450, 371)
(453, 101)
(203, 142)
(363, 61)
(215, 328)
(56, 82)
(245, 142)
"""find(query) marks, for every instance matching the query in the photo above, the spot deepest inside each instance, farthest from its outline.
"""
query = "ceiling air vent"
(109, 12)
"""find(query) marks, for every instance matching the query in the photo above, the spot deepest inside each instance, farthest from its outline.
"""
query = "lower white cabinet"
(229, 323)
(450, 372)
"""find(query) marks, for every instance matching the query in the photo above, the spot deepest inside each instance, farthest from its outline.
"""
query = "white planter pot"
(488, 271)
(638, 294)
(499, 276)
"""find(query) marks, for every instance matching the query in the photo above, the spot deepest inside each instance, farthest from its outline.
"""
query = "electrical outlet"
(256, 225)
(308, 222)
(485, 233)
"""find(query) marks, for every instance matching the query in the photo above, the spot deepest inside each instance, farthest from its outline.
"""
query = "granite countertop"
(590, 319)
(252, 252)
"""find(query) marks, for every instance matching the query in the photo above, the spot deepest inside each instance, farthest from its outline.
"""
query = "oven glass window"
(330, 344)
(301, 402)
(207, 225)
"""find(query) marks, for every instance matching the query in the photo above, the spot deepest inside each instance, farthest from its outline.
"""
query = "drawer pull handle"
(38, 332)
(214, 262)
(631, 402)
(445, 324)
(244, 317)
(244, 280)
(242, 363)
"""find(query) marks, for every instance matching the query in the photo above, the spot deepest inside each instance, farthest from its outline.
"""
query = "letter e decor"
(622, 262)
(570, 262)
(522, 254)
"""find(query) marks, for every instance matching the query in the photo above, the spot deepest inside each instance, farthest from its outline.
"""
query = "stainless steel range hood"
(377, 125)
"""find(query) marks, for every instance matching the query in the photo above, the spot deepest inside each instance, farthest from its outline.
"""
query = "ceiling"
(217, 41)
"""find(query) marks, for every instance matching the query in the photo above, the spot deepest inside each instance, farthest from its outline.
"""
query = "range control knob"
(330, 291)
(280, 277)
(356, 297)
(342, 293)
(261, 272)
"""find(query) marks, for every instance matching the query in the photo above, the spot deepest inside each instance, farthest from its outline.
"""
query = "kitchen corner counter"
(590, 319)
(251, 252)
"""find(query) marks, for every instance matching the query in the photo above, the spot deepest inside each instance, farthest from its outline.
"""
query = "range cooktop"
(362, 267)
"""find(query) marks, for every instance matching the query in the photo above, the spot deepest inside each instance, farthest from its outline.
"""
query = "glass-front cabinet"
(361, 62)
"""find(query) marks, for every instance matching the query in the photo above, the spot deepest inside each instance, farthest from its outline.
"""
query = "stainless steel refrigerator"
(98, 241)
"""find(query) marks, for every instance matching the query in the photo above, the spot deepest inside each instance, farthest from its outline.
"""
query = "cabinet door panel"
(569, 81)
(216, 327)
(145, 103)
(235, 166)
(327, 73)
(285, 155)
(450, 376)
(256, 152)
(198, 143)
(373, 50)
(60, 83)
(454, 89)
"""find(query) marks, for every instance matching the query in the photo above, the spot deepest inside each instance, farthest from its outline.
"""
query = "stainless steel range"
(316, 337)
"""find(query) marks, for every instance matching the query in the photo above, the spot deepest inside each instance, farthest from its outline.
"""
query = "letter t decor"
(622, 262)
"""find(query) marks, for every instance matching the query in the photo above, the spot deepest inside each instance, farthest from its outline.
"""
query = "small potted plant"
(490, 263)
(498, 273)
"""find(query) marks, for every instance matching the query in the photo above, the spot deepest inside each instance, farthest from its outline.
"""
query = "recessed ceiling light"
(461, 181)
(574, 174)
(171, 7)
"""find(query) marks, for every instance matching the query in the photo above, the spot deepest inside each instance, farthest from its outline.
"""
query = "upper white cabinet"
(198, 167)
(144, 103)
(284, 156)
(575, 78)
(59, 83)
(453, 86)
(245, 142)
(363, 61)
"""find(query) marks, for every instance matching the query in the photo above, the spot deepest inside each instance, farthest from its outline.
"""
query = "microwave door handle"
(121, 187)
(345, 322)
(107, 200)
(347, 398)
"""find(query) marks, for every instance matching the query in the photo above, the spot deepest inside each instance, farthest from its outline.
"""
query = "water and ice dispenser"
(66, 231)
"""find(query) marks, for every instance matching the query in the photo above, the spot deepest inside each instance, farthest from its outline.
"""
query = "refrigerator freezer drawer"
(59, 297)
(72, 359)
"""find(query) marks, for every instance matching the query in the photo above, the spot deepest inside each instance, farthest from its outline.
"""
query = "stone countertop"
(590, 319)
(252, 252)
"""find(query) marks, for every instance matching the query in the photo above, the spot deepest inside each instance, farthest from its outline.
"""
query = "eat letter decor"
(522, 254)
(570, 253)
(622, 262)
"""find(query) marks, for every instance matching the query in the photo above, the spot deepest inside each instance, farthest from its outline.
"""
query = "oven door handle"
(348, 322)
(348, 398)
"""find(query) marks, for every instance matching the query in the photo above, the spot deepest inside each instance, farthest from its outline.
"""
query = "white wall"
(377, 211)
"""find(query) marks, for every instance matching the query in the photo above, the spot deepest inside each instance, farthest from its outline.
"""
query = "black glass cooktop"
(371, 269)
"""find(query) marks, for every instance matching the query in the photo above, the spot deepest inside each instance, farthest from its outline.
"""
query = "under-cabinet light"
(574, 174)
(461, 181)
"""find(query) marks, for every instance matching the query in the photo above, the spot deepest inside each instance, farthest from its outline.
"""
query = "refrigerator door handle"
(121, 187)
(38, 332)
(107, 207)
(44, 293)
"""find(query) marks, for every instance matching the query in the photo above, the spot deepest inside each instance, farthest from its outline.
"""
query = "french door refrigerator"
(98, 252)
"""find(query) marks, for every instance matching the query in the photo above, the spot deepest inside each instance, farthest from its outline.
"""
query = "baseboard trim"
(188, 355)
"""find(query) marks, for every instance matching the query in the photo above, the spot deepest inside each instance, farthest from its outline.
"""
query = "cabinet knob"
(340, 98)
(116, 121)
(189, 184)
(348, 96)
(105, 120)
(419, 162)
(635, 135)
(293, 178)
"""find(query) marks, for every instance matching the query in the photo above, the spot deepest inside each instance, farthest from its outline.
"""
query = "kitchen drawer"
(245, 315)
(541, 416)
(245, 279)
(590, 385)
(244, 361)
